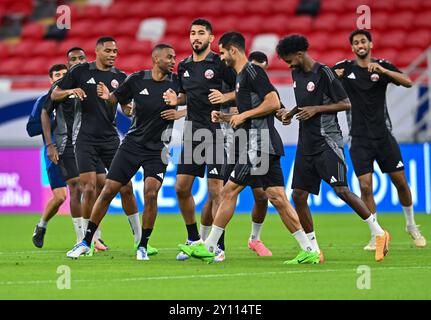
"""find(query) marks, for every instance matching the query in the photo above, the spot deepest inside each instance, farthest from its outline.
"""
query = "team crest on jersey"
(311, 86)
(209, 74)
(114, 84)
(374, 77)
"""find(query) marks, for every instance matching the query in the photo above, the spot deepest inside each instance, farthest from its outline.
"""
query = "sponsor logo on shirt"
(186, 74)
(91, 81)
(351, 76)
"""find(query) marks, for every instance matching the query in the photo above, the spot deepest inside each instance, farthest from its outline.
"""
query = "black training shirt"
(98, 119)
(148, 132)
(314, 88)
(252, 85)
(196, 80)
(369, 115)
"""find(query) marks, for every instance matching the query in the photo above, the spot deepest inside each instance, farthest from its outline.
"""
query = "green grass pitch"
(30, 273)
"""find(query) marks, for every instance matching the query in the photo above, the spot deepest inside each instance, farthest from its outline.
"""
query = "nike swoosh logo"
(300, 261)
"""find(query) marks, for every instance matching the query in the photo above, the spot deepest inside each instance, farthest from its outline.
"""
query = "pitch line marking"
(242, 274)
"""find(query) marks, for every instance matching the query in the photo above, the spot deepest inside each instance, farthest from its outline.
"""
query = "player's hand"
(216, 116)
(170, 97)
(78, 92)
(216, 97)
(237, 120)
(170, 114)
(128, 109)
(339, 72)
(102, 91)
(286, 118)
(306, 113)
(52, 153)
(375, 67)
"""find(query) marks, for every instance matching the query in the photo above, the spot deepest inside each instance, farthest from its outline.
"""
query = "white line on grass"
(223, 275)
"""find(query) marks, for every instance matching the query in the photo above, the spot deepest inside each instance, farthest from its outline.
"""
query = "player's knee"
(260, 197)
(60, 197)
(150, 196)
(276, 198)
(342, 192)
(182, 191)
(126, 191)
(299, 196)
(366, 188)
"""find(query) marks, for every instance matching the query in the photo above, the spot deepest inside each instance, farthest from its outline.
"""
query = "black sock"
(91, 230)
(221, 241)
(192, 232)
(146, 233)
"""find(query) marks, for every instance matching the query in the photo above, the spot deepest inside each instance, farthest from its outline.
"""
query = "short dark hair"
(292, 44)
(55, 68)
(74, 49)
(258, 56)
(360, 31)
(232, 38)
(102, 40)
(203, 22)
(161, 46)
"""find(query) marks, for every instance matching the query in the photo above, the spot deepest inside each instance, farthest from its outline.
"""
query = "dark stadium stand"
(401, 30)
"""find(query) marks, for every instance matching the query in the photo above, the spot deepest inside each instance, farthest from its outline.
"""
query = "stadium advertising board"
(24, 184)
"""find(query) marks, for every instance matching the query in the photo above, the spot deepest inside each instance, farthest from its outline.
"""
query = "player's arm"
(172, 99)
(306, 113)
(219, 116)
(46, 129)
(111, 98)
(216, 97)
(269, 105)
(394, 75)
(67, 86)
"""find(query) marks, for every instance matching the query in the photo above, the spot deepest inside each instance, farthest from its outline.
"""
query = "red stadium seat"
(229, 23)
(387, 54)
(47, 48)
(277, 24)
(117, 10)
(12, 67)
(379, 21)
(423, 20)
(23, 49)
(332, 6)
(382, 6)
(392, 39)
(406, 57)
(180, 26)
(237, 6)
(325, 22)
(92, 12)
(37, 66)
(332, 57)
(81, 29)
(419, 38)
(287, 7)
(352, 5)
(339, 40)
(346, 22)
(33, 30)
(261, 7)
(412, 5)
(319, 41)
(402, 20)
(250, 24)
(301, 24)
(143, 47)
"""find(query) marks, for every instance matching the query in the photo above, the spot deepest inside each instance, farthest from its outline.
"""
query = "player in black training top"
(201, 77)
(96, 134)
(145, 145)
(319, 155)
(365, 80)
(256, 100)
(260, 206)
(60, 151)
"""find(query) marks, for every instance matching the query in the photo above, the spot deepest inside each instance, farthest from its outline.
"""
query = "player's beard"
(363, 55)
(201, 49)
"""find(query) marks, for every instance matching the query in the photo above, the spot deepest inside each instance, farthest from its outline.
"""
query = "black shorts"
(213, 163)
(229, 167)
(385, 151)
(310, 170)
(245, 175)
(89, 157)
(67, 164)
(127, 162)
